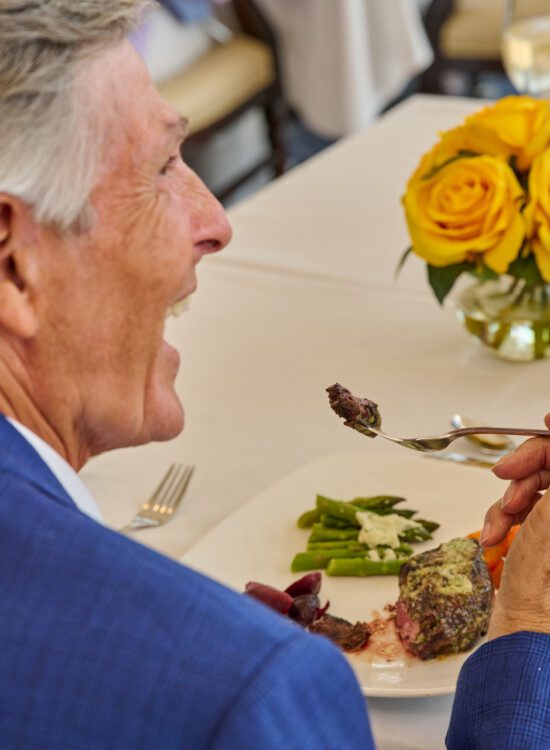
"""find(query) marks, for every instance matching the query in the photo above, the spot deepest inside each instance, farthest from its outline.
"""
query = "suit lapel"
(19, 458)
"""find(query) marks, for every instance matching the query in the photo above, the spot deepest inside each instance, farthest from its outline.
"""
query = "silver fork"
(439, 442)
(164, 501)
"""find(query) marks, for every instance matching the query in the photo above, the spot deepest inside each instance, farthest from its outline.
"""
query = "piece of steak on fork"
(359, 413)
(445, 599)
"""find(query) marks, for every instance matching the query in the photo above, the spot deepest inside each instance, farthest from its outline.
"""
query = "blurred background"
(267, 84)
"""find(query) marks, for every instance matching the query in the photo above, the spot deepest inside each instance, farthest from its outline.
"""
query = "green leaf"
(402, 260)
(442, 280)
(526, 268)
(483, 272)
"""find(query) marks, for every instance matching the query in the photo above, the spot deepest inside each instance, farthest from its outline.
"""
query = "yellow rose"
(470, 207)
(475, 138)
(537, 212)
(521, 123)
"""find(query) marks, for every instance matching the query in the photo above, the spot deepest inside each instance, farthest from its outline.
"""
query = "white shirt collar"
(63, 472)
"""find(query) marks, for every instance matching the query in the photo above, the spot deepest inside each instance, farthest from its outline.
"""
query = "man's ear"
(17, 312)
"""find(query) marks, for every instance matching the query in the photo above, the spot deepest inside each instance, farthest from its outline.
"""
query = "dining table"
(305, 295)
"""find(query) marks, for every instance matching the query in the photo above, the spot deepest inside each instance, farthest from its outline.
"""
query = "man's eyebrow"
(178, 128)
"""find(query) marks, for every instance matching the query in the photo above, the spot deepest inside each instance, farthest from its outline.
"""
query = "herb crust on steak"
(445, 599)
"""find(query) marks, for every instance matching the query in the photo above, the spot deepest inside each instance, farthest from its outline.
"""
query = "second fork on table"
(164, 501)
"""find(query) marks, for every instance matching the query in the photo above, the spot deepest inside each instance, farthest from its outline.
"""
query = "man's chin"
(169, 427)
(162, 423)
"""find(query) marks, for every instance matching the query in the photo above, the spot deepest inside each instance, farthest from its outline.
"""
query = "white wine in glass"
(526, 52)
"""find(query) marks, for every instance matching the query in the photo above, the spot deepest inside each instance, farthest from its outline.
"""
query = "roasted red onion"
(308, 584)
(299, 601)
(272, 597)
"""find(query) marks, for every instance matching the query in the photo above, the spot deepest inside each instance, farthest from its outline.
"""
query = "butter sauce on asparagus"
(336, 541)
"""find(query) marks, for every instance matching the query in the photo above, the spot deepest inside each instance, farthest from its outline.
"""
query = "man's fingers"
(531, 456)
(498, 523)
(495, 526)
(519, 492)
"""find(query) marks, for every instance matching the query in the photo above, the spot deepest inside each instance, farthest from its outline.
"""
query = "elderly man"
(103, 643)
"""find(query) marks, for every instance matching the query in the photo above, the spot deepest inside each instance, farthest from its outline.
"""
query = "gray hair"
(48, 138)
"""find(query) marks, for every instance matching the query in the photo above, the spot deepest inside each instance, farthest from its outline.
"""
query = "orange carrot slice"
(493, 555)
(512, 534)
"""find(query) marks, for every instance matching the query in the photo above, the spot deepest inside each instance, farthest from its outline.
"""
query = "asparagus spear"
(404, 512)
(321, 558)
(331, 544)
(374, 503)
(430, 526)
(331, 522)
(337, 509)
(307, 519)
(363, 566)
(350, 551)
(320, 534)
(347, 512)
(404, 550)
(418, 534)
(377, 502)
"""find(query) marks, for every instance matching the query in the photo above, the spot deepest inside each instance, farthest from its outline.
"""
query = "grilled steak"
(359, 413)
(445, 598)
(349, 637)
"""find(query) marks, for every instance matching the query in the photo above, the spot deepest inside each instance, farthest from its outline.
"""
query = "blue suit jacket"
(106, 644)
(502, 700)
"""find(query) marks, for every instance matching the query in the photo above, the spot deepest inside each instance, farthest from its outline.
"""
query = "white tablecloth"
(344, 213)
(344, 60)
(303, 297)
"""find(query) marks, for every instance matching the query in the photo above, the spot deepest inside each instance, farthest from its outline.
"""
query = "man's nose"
(211, 229)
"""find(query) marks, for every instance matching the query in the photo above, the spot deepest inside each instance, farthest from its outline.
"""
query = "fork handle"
(498, 431)
(135, 525)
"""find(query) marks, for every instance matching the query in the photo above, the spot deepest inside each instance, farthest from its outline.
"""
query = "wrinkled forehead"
(133, 117)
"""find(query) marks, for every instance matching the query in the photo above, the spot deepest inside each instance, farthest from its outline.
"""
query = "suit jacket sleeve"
(304, 696)
(503, 696)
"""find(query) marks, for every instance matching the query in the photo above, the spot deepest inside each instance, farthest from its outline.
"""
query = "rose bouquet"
(479, 200)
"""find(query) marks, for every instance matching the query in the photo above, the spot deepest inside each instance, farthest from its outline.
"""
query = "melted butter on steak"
(445, 599)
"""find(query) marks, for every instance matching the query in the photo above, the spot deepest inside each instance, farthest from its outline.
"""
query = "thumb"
(523, 602)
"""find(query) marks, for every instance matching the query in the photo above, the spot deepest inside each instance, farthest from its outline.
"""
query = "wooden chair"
(465, 36)
(228, 80)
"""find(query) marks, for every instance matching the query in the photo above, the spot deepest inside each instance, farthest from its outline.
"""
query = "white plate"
(257, 543)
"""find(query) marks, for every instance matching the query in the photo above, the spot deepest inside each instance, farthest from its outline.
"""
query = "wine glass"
(526, 45)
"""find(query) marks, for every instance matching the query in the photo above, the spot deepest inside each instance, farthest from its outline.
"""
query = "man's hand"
(523, 600)
(528, 468)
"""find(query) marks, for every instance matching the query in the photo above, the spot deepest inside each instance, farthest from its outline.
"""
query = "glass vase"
(507, 317)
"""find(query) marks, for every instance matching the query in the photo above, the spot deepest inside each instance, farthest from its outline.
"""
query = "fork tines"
(167, 496)
(164, 501)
